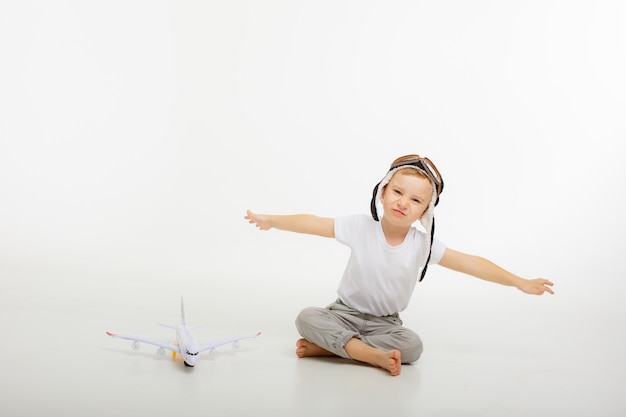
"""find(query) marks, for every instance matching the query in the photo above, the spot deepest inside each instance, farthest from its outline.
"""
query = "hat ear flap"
(373, 208)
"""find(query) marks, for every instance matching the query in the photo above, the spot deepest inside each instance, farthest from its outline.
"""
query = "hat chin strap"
(430, 249)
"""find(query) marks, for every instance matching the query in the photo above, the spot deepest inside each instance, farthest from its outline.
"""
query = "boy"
(387, 256)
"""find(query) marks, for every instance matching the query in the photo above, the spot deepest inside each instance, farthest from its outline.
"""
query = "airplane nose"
(190, 361)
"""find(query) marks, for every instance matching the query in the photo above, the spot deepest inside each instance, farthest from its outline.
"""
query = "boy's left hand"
(536, 286)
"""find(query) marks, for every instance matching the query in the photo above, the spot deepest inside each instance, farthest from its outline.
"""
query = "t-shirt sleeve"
(347, 228)
(437, 251)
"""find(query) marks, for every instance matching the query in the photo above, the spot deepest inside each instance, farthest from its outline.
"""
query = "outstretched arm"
(299, 223)
(484, 269)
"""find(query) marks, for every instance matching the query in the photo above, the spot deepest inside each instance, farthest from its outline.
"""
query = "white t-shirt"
(379, 278)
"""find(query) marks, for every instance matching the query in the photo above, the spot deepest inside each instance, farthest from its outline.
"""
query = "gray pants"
(332, 327)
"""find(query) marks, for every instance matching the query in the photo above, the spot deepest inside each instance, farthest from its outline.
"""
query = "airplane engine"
(135, 345)
(236, 345)
(160, 352)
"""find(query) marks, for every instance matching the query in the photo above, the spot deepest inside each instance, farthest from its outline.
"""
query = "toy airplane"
(186, 344)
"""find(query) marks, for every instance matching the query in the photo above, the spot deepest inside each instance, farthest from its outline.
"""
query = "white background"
(135, 134)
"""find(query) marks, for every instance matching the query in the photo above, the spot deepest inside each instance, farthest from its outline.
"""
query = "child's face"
(406, 198)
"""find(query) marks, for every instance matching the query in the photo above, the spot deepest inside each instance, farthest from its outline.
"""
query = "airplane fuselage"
(187, 345)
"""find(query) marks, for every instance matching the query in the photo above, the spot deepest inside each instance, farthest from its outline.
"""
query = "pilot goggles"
(425, 165)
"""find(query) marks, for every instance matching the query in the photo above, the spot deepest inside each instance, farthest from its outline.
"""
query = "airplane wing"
(161, 343)
(215, 343)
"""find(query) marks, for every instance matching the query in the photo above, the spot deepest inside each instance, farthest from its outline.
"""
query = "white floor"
(134, 135)
(511, 356)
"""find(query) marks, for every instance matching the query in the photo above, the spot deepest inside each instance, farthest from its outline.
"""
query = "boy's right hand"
(262, 221)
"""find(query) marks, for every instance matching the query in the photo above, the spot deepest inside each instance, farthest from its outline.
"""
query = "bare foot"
(392, 362)
(386, 359)
(305, 348)
(389, 360)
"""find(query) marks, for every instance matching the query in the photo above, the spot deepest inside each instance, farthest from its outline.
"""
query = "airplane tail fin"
(182, 310)
(182, 313)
